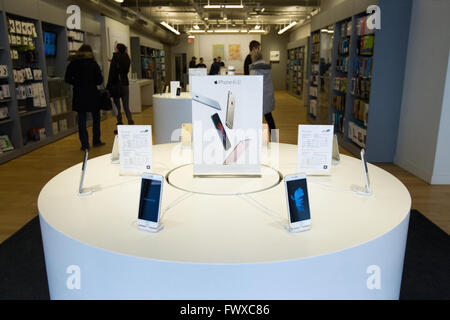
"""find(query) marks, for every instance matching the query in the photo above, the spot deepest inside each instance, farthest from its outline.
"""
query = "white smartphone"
(150, 200)
(297, 201)
(366, 171)
(206, 101)
(230, 110)
(115, 157)
(336, 155)
(83, 171)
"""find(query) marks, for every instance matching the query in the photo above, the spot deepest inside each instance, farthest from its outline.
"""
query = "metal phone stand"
(297, 230)
(84, 192)
(156, 229)
(366, 191)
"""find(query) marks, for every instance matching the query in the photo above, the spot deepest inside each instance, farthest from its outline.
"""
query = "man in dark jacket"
(254, 46)
(201, 64)
(84, 74)
(193, 63)
(215, 68)
(261, 67)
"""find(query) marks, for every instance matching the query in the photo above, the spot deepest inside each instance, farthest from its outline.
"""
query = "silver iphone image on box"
(206, 101)
(230, 110)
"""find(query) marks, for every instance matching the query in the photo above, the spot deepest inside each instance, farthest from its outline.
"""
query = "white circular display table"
(224, 246)
(169, 112)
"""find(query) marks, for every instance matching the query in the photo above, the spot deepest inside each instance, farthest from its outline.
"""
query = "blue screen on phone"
(298, 200)
(149, 202)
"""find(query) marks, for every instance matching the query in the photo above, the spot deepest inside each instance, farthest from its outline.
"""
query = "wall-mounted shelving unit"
(39, 106)
(365, 94)
(295, 73)
(314, 83)
(147, 62)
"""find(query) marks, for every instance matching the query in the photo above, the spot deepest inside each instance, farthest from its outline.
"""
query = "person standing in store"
(201, 64)
(192, 63)
(253, 46)
(220, 62)
(84, 74)
(118, 85)
(215, 68)
(260, 67)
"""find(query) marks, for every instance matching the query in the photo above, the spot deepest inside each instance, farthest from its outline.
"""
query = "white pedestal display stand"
(226, 238)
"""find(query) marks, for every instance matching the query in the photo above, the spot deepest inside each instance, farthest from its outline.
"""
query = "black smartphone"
(178, 91)
(221, 131)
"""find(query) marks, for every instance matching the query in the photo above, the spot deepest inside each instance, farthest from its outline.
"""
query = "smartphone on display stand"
(237, 152)
(336, 155)
(81, 190)
(366, 190)
(221, 131)
(206, 101)
(150, 202)
(178, 91)
(298, 203)
(230, 110)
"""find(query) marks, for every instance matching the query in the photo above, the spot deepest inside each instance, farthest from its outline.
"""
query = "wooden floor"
(22, 179)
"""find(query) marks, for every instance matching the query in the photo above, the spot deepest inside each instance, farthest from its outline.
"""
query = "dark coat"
(118, 74)
(247, 63)
(215, 69)
(84, 74)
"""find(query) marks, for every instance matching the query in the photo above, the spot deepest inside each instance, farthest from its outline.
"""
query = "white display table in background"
(169, 112)
(141, 92)
(225, 239)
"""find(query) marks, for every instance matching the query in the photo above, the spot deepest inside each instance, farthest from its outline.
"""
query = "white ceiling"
(185, 13)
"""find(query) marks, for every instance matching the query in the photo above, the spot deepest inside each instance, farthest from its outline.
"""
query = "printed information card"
(315, 146)
(135, 145)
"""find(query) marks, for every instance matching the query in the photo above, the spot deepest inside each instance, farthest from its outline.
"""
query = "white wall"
(300, 33)
(205, 48)
(112, 31)
(423, 120)
(441, 172)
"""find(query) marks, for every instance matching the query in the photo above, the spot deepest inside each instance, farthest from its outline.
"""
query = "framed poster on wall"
(274, 56)
(219, 51)
(234, 52)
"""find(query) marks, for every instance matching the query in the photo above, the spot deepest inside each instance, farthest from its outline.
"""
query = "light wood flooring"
(22, 179)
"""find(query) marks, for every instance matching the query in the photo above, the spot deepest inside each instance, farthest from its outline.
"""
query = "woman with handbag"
(84, 74)
(118, 81)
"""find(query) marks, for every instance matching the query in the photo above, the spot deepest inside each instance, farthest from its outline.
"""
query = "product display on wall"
(148, 63)
(351, 90)
(35, 102)
(295, 71)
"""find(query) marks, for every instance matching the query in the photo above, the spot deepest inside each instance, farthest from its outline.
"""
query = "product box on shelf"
(3, 113)
(357, 134)
(55, 127)
(5, 143)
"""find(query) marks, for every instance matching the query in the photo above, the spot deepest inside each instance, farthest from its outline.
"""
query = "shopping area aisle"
(22, 179)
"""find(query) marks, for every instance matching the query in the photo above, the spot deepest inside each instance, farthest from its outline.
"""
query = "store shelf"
(5, 121)
(62, 114)
(30, 113)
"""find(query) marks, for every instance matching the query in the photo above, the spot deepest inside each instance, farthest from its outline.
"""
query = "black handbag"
(105, 100)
